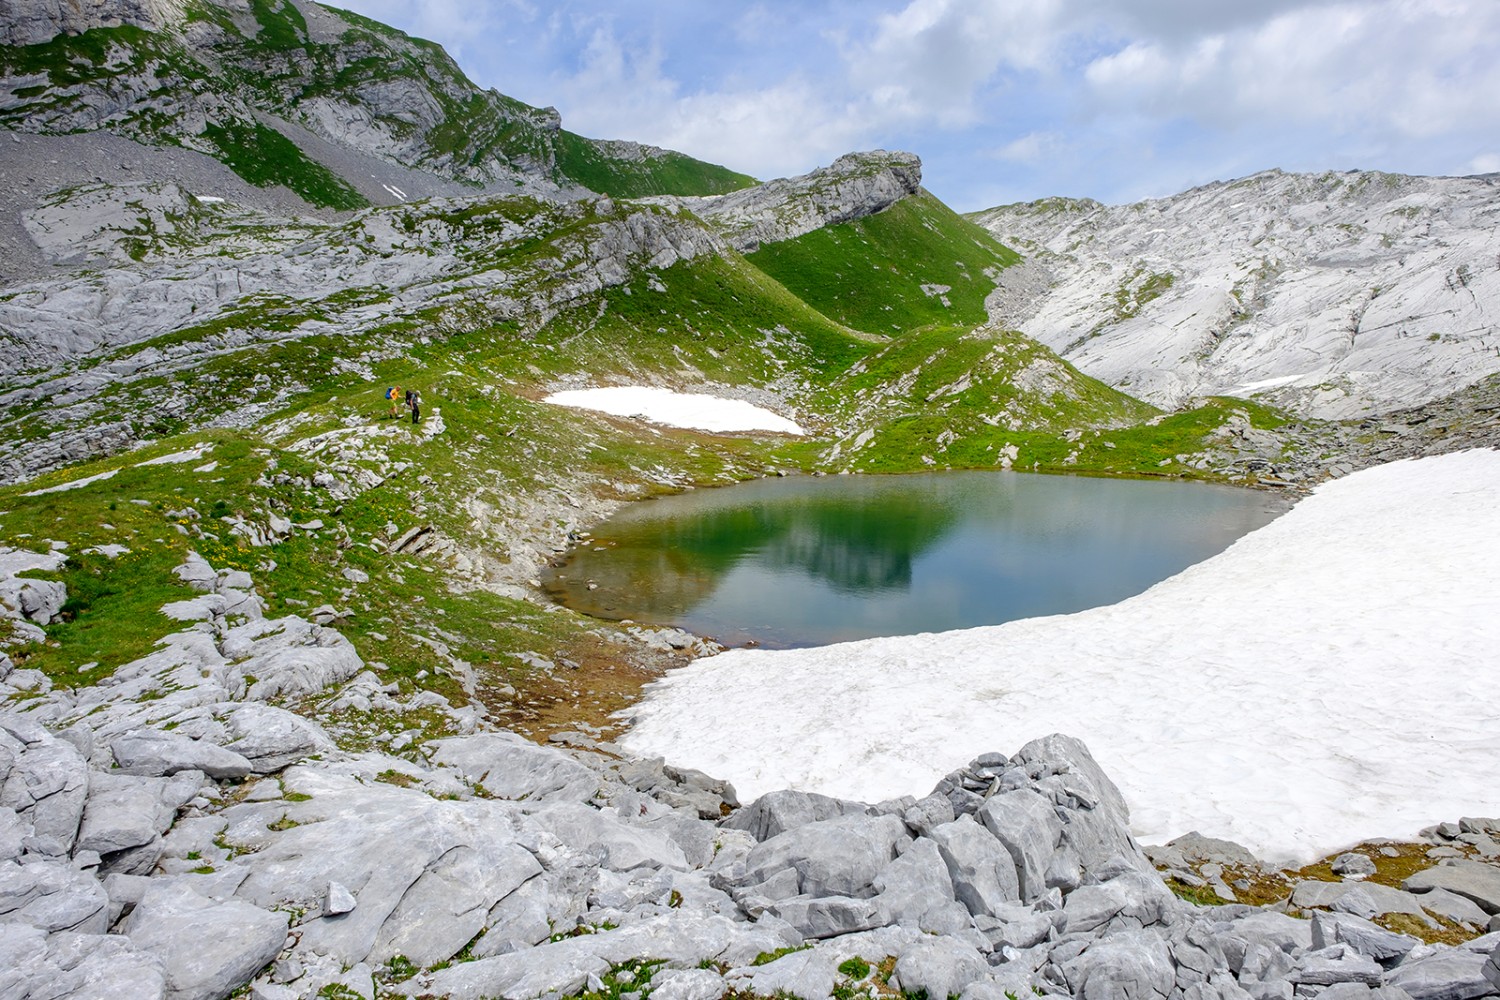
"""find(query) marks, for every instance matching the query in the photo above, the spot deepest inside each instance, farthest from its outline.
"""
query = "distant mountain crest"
(291, 93)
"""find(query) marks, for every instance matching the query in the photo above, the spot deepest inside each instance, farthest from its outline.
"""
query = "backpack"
(390, 393)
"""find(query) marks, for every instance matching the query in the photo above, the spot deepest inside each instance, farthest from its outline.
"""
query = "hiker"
(390, 395)
(414, 400)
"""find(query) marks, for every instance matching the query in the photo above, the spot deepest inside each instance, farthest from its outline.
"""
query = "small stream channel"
(809, 561)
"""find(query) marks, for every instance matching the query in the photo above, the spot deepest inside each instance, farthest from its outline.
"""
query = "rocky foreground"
(178, 831)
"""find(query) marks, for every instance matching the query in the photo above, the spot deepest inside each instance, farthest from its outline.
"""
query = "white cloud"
(786, 127)
(1033, 147)
(1485, 163)
(1417, 67)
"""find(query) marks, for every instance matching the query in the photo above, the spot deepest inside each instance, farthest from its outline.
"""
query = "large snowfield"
(1329, 678)
(698, 411)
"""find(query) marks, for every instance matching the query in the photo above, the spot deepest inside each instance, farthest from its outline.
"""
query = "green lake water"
(809, 561)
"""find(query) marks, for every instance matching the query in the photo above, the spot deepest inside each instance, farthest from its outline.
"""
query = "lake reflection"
(809, 561)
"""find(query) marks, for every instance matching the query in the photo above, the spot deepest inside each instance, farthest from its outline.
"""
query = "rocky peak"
(854, 186)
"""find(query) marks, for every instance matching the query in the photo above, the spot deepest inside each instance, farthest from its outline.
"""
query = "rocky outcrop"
(1336, 295)
(237, 847)
(854, 186)
(31, 22)
(475, 261)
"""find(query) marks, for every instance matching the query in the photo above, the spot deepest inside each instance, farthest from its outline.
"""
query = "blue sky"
(1004, 100)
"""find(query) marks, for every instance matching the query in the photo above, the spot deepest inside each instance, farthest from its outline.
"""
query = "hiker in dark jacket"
(414, 400)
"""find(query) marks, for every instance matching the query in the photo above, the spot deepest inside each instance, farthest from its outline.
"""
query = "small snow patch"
(75, 484)
(696, 411)
(179, 457)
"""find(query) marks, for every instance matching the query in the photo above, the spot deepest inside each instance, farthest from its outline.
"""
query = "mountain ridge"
(1333, 294)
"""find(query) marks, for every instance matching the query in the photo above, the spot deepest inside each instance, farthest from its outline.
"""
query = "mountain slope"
(1333, 294)
(255, 85)
(914, 264)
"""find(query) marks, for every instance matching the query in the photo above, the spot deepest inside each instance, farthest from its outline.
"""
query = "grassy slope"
(870, 274)
(582, 160)
(939, 395)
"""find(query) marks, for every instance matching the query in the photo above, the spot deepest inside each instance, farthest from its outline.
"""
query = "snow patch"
(697, 411)
(75, 484)
(1324, 680)
(179, 457)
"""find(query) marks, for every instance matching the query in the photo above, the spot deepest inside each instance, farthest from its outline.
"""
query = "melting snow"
(1326, 679)
(75, 484)
(676, 409)
(179, 457)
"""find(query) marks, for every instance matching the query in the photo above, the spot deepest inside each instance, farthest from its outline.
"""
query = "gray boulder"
(831, 916)
(48, 786)
(1455, 974)
(834, 857)
(1129, 901)
(1474, 880)
(13, 833)
(1352, 863)
(527, 916)
(1096, 821)
(425, 874)
(1196, 847)
(779, 811)
(76, 966)
(1130, 966)
(938, 966)
(151, 752)
(934, 810)
(508, 766)
(52, 896)
(603, 834)
(1370, 940)
(1363, 899)
(207, 949)
(981, 869)
(1454, 907)
(125, 813)
(914, 885)
(688, 984)
(1027, 824)
(1337, 963)
(808, 975)
(273, 739)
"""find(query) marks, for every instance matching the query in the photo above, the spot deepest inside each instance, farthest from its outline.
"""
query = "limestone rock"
(53, 896)
(982, 870)
(1136, 966)
(940, 966)
(786, 809)
(1447, 975)
(1473, 880)
(834, 857)
(47, 787)
(207, 949)
(151, 752)
(914, 884)
(1028, 826)
(854, 186)
(508, 766)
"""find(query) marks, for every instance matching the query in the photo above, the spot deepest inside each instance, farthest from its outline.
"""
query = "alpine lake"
(808, 561)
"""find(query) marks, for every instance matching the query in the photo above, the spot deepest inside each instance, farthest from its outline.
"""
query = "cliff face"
(32, 22)
(854, 186)
(1333, 294)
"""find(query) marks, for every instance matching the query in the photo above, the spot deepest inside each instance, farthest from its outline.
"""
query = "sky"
(1004, 100)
